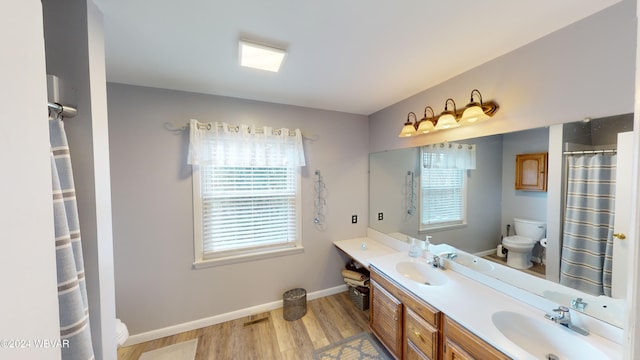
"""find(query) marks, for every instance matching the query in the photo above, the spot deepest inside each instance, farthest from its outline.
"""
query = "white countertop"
(464, 300)
(362, 254)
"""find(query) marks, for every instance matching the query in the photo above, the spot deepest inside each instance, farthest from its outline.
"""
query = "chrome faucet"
(562, 316)
(578, 304)
(437, 262)
(449, 255)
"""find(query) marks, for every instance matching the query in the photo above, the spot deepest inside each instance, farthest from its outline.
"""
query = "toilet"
(528, 233)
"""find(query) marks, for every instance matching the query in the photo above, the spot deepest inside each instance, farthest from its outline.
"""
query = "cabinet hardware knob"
(620, 236)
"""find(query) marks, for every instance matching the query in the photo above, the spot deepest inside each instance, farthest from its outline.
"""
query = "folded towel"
(354, 266)
(354, 275)
(356, 282)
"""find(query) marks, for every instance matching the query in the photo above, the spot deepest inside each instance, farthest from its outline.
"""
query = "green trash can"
(294, 304)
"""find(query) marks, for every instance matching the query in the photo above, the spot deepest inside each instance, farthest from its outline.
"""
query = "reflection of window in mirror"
(442, 198)
(443, 188)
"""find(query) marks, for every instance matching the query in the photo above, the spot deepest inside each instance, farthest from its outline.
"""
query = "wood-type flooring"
(268, 336)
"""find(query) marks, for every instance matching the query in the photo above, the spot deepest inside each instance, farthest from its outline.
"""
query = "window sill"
(201, 264)
(442, 228)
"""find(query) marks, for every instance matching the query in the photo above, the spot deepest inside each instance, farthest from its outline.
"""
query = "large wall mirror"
(492, 202)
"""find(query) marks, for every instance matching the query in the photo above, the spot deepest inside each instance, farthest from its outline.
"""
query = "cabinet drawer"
(467, 345)
(421, 334)
(414, 354)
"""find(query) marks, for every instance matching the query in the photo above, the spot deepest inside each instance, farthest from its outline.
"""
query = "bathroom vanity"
(411, 328)
(421, 312)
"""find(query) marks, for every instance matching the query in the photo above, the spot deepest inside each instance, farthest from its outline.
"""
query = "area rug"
(185, 350)
(358, 347)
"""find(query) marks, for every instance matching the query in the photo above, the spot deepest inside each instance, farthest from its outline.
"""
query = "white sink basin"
(421, 273)
(474, 262)
(541, 337)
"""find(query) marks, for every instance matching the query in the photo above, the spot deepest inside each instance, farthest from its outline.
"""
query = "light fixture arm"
(433, 114)
(415, 118)
(476, 91)
(446, 103)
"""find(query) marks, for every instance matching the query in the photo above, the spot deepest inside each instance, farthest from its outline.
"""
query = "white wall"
(75, 53)
(156, 286)
(29, 301)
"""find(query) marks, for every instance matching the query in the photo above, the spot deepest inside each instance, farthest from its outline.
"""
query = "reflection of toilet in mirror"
(528, 233)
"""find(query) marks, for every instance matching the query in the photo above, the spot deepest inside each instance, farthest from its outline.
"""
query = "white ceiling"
(355, 56)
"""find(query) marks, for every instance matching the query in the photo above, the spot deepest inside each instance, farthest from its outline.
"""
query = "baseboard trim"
(217, 319)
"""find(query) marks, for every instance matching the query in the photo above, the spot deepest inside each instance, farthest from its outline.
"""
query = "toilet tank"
(532, 229)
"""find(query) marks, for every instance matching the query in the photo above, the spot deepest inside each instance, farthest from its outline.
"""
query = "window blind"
(247, 208)
(442, 193)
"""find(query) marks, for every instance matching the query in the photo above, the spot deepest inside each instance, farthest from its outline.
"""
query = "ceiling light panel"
(260, 56)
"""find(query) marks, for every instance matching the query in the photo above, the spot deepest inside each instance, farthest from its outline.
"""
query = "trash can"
(294, 304)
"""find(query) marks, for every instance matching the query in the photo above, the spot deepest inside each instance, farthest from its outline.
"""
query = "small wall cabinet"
(531, 172)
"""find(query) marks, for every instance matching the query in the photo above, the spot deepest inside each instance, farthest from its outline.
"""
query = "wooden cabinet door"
(531, 172)
(385, 318)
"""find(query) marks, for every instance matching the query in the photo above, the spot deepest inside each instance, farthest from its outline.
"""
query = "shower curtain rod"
(64, 110)
(582, 152)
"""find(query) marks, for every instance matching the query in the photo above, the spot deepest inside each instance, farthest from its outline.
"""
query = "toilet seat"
(518, 241)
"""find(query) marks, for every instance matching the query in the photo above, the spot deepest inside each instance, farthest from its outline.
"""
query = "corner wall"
(75, 53)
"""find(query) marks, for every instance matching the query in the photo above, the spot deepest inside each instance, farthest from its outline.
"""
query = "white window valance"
(449, 156)
(222, 145)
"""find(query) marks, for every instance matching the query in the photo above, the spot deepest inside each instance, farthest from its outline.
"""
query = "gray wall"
(518, 203)
(482, 231)
(585, 69)
(156, 286)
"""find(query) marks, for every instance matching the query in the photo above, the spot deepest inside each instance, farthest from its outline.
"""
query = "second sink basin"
(474, 262)
(421, 273)
(542, 338)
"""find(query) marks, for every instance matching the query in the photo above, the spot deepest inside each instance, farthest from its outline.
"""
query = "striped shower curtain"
(75, 333)
(588, 225)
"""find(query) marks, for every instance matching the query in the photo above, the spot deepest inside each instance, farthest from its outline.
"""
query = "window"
(442, 184)
(442, 198)
(246, 211)
(246, 193)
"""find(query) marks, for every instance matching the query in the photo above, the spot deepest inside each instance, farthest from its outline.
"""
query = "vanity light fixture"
(448, 118)
(474, 112)
(260, 56)
(426, 124)
(409, 128)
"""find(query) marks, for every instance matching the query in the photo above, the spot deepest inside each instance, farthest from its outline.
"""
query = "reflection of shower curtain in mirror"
(588, 225)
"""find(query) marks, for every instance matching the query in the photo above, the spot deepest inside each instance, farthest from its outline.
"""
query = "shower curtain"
(588, 225)
(75, 333)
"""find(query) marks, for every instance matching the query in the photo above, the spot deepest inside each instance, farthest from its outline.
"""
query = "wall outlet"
(354, 219)
(380, 216)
